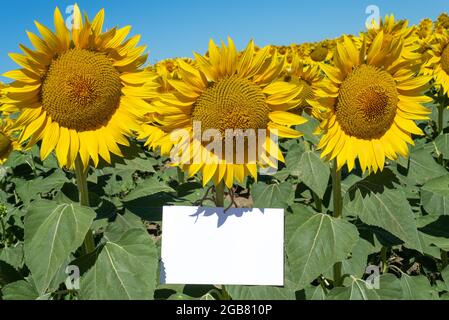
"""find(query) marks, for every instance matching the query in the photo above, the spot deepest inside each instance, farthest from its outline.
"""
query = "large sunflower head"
(372, 101)
(438, 64)
(8, 138)
(80, 92)
(230, 95)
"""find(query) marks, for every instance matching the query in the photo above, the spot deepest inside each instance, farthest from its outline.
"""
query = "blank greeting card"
(211, 246)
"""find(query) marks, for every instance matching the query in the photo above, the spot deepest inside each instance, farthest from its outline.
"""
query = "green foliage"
(395, 222)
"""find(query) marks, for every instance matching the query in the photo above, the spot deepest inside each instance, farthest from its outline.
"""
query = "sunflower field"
(94, 141)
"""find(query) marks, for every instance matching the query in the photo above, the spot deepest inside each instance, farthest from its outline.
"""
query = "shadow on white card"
(210, 246)
(221, 214)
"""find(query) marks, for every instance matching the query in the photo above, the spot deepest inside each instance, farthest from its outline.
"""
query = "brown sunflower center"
(5, 145)
(232, 103)
(367, 102)
(81, 90)
(445, 59)
(319, 53)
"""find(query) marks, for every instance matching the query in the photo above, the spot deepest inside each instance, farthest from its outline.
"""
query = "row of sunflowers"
(340, 120)
(83, 93)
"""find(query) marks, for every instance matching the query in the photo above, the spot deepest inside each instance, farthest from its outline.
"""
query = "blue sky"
(172, 28)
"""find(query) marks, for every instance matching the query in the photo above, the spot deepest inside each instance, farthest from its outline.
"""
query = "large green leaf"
(315, 242)
(29, 190)
(52, 232)
(287, 292)
(310, 169)
(309, 129)
(445, 276)
(357, 289)
(127, 221)
(423, 167)
(260, 293)
(435, 196)
(20, 290)
(148, 187)
(273, 195)
(388, 209)
(314, 293)
(8, 274)
(13, 255)
(442, 145)
(416, 288)
(356, 265)
(125, 269)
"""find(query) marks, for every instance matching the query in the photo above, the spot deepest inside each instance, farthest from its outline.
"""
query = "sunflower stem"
(338, 209)
(383, 256)
(4, 235)
(81, 180)
(219, 194)
(444, 259)
(317, 201)
(441, 109)
(181, 176)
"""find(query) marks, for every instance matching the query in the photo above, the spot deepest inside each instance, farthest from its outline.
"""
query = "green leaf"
(315, 242)
(310, 170)
(125, 269)
(123, 223)
(265, 292)
(180, 296)
(20, 290)
(137, 164)
(31, 189)
(445, 276)
(260, 293)
(356, 265)
(435, 196)
(8, 274)
(442, 145)
(309, 128)
(52, 232)
(357, 289)
(13, 255)
(416, 288)
(315, 293)
(423, 167)
(389, 210)
(273, 195)
(147, 188)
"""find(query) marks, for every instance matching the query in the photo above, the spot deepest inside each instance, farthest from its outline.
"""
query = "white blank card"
(210, 246)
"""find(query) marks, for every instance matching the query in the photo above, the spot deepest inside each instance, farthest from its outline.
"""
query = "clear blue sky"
(174, 28)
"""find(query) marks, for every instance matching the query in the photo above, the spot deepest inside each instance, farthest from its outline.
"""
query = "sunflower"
(226, 92)
(8, 141)
(442, 23)
(438, 64)
(322, 51)
(81, 92)
(164, 70)
(283, 52)
(4, 110)
(308, 77)
(392, 30)
(372, 100)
